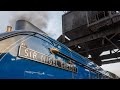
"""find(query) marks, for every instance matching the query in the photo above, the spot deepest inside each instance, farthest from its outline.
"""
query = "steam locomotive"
(29, 53)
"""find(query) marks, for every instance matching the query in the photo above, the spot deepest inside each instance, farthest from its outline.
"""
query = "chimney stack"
(9, 28)
(27, 26)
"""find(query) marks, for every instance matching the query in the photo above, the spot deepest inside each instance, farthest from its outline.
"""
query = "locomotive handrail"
(77, 62)
(56, 51)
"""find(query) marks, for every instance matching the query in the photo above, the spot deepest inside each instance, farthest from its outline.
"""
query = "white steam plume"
(37, 18)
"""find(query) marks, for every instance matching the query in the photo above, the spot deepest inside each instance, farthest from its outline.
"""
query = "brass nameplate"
(39, 57)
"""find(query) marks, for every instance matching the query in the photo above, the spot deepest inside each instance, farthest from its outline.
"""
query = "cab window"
(39, 44)
(8, 44)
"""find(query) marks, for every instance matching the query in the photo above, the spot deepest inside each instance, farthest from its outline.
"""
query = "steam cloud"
(37, 18)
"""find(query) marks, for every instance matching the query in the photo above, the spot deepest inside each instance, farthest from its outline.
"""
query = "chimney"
(27, 26)
(9, 29)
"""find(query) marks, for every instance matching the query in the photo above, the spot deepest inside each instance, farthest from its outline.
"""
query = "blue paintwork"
(23, 68)
(12, 67)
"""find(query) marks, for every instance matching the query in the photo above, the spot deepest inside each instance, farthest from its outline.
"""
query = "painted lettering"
(26, 52)
(34, 55)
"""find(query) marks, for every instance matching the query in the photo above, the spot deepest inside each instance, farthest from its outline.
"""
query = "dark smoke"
(38, 18)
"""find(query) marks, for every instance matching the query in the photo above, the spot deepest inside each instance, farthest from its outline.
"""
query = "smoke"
(48, 21)
(38, 18)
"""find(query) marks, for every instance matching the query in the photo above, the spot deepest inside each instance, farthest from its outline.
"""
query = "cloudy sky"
(49, 21)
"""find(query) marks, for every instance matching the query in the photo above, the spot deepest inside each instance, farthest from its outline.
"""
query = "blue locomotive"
(29, 53)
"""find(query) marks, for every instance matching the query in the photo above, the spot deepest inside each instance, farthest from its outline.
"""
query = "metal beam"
(108, 56)
(93, 36)
(110, 61)
(104, 48)
(112, 43)
(113, 36)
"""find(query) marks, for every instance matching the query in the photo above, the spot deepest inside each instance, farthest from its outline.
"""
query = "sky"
(52, 25)
(53, 21)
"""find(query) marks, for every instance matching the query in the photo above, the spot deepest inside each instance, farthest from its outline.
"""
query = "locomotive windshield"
(9, 42)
